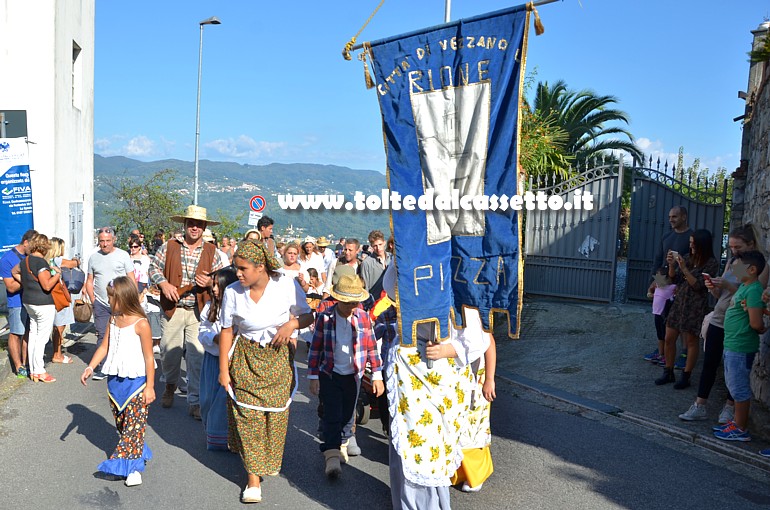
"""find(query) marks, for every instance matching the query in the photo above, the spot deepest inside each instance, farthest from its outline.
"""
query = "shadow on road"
(98, 431)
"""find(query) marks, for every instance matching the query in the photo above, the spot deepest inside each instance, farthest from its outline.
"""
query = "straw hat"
(194, 212)
(322, 242)
(341, 270)
(349, 289)
(207, 236)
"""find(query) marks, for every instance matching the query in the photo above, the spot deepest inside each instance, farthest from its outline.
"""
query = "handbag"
(83, 310)
(74, 278)
(59, 293)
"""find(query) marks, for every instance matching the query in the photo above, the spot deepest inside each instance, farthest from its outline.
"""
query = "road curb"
(723, 448)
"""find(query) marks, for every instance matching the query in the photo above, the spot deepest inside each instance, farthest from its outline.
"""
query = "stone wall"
(751, 201)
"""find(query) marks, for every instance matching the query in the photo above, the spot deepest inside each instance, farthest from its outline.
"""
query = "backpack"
(74, 279)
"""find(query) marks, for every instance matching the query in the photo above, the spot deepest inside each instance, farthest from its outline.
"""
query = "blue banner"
(15, 192)
(449, 98)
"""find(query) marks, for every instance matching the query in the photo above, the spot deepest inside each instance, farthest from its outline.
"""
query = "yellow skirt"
(475, 468)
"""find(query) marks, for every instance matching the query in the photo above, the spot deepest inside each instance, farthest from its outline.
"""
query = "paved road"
(547, 455)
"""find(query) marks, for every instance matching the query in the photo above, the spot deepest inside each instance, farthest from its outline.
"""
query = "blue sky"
(276, 89)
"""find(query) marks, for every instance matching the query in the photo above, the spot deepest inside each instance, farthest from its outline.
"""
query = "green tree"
(542, 146)
(229, 226)
(144, 204)
(588, 119)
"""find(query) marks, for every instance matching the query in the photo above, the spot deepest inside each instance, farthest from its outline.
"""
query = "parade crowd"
(685, 272)
(236, 311)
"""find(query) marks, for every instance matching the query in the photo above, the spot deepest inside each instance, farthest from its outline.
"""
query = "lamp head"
(211, 21)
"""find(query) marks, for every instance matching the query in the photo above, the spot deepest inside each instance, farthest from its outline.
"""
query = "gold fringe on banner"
(352, 42)
(362, 57)
(539, 28)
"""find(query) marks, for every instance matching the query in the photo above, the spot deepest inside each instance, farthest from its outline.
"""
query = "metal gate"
(654, 193)
(572, 252)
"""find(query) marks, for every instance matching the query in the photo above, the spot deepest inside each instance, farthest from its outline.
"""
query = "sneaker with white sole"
(653, 356)
(694, 413)
(251, 495)
(681, 362)
(733, 433)
(99, 375)
(134, 478)
(353, 449)
(727, 414)
(468, 488)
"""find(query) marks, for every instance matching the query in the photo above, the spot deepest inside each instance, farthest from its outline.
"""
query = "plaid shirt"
(320, 358)
(190, 262)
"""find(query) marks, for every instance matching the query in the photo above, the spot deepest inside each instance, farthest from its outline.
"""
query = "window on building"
(77, 75)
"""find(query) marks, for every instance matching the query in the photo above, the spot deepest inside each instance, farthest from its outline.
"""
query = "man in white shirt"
(349, 257)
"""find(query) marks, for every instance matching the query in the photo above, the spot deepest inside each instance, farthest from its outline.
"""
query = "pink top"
(662, 294)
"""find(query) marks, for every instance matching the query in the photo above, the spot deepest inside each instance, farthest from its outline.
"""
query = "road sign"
(257, 203)
(254, 218)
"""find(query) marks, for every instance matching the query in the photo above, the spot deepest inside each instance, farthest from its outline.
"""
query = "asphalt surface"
(548, 454)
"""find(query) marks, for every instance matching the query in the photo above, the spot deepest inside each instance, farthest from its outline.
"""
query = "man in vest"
(181, 270)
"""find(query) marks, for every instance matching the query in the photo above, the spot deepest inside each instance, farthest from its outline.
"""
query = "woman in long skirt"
(257, 366)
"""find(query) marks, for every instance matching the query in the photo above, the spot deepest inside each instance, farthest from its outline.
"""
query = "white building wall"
(36, 41)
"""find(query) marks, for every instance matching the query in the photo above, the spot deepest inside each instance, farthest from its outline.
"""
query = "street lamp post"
(210, 21)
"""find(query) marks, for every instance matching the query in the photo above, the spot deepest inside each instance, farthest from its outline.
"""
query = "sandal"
(65, 361)
(46, 378)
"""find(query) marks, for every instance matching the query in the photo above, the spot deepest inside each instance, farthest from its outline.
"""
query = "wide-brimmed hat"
(194, 212)
(308, 239)
(350, 289)
(322, 242)
(207, 236)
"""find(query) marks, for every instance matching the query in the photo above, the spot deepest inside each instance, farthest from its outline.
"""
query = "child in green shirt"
(743, 325)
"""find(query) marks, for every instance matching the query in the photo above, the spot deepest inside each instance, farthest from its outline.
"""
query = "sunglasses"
(106, 230)
(135, 246)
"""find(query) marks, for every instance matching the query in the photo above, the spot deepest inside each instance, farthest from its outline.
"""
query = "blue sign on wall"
(15, 192)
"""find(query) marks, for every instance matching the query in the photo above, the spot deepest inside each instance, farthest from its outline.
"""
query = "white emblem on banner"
(452, 128)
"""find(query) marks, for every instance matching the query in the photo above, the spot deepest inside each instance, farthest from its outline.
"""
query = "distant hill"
(229, 186)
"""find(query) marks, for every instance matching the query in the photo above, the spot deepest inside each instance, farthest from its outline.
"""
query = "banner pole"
(536, 4)
(447, 11)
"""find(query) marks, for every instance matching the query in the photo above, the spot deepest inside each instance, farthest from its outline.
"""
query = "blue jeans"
(338, 395)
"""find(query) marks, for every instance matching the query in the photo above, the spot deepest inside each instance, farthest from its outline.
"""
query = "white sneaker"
(156, 349)
(353, 449)
(468, 488)
(694, 413)
(727, 414)
(251, 495)
(134, 478)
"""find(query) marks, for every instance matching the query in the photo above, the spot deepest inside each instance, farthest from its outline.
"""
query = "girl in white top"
(212, 394)
(130, 367)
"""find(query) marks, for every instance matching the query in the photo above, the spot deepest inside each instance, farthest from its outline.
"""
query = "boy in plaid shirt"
(342, 344)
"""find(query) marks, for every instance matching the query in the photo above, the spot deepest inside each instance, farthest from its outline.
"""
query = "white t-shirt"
(141, 268)
(207, 331)
(124, 356)
(343, 346)
(259, 322)
(315, 261)
(106, 267)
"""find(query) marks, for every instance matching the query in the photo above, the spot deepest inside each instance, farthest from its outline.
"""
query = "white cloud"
(244, 147)
(658, 150)
(139, 146)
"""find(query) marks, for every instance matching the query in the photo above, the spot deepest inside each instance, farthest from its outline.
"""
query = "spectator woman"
(257, 366)
(690, 303)
(740, 240)
(64, 317)
(141, 263)
(292, 267)
(38, 279)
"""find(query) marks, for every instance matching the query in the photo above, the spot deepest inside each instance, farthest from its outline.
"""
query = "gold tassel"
(348, 48)
(539, 28)
(367, 75)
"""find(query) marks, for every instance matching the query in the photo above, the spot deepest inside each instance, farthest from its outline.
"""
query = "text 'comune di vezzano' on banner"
(432, 201)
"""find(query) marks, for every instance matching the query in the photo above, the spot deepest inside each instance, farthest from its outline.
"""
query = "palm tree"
(585, 116)
(543, 145)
